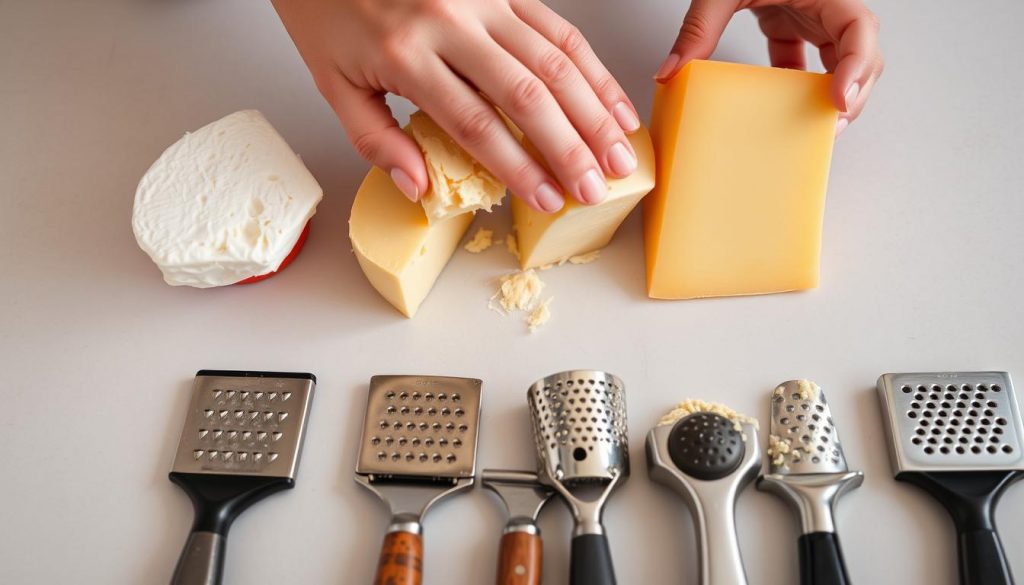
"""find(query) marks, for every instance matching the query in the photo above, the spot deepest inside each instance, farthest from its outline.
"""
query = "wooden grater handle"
(519, 559)
(401, 560)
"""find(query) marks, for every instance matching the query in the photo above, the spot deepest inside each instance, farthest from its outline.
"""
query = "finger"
(845, 118)
(527, 101)
(828, 55)
(376, 136)
(703, 26)
(858, 59)
(571, 42)
(477, 127)
(786, 46)
(577, 100)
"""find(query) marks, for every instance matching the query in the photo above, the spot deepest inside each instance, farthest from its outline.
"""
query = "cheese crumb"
(585, 258)
(482, 239)
(518, 291)
(691, 406)
(511, 245)
(778, 449)
(808, 390)
(540, 315)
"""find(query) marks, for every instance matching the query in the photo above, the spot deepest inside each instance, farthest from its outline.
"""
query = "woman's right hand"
(442, 55)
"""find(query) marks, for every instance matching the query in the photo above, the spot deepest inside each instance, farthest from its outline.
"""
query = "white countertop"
(923, 269)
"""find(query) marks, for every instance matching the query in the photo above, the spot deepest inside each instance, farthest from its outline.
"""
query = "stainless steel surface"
(711, 503)
(579, 426)
(244, 426)
(801, 418)
(813, 474)
(523, 495)
(951, 421)
(407, 501)
(422, 427)
(201, 561)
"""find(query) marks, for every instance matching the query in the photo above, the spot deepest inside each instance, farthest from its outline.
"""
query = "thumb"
(703, 25)
(376, 136)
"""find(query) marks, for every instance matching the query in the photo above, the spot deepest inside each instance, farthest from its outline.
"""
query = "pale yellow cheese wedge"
(547, 238)
(743, 160)
(400, 252)
(458, 183)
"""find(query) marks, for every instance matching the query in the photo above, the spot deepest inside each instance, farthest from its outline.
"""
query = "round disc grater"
(957, 435)
(579, 426)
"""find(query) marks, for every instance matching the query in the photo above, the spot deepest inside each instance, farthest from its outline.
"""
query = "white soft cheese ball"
(225, 203)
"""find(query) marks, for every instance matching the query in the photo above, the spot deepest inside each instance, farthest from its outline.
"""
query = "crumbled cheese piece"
(482, 239)
(690, 406)
(518, 291)
(778, 449)
(585, 258)
(546, 266)
(511, 245)
(540, 315)
(808, 390)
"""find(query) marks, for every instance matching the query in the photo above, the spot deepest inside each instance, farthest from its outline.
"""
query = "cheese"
(224, 203)
(691, 406)
(400, 252)
(458, 183)
(540, 315)
(743, 159)
(518, 291)
(546, 238)
(481, 240)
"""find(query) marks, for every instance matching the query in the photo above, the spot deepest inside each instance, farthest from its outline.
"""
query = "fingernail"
(593, 189)
(851, 95)
(549, 198)
(621, 162)
(625, 117)
(667, 67)
(405, 184)
(841, 125)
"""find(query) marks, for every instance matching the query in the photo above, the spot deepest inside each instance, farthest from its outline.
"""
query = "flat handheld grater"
(418, 447)
(959, 437)
(240, 443)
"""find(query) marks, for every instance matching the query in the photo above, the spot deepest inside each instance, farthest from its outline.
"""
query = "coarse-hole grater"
(708, 459)
(579, 426)
(807, 468)
(521, 550)
(958, 436)
(240, 443)
(418, 446)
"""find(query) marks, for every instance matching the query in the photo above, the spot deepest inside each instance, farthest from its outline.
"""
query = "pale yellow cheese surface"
(458, 183)
(400, 252)
(743, 160)
(548, 238)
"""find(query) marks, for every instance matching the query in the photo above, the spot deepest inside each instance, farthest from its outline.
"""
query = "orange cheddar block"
(743, 155)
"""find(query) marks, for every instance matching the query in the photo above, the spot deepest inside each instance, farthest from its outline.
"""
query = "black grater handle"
(591, 562)
(201, 561)
(821, 560)
(971, 498)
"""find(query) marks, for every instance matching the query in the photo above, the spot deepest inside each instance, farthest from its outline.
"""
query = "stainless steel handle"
(720, 561)
(201, 561)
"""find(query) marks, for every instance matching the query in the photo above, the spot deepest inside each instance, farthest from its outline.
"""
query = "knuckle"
(604, 130)
(554, 67)
(608, 90)
(367, 145)
(575, 156)
(399, 49)
(696, 27)
(525, 95)
(570, 40)
(873, 21)
(474, 126)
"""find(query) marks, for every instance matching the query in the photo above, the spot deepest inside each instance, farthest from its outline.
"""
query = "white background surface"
(923, 269)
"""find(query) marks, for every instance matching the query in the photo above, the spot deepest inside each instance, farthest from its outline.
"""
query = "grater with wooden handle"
(418, 447)
(241, 442)
(959, 437)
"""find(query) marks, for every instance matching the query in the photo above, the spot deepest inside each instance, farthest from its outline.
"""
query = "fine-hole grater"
(579, 426)
(241, 442)
(418, 446)
(708, 459)
(958, 436)
(521, 550)
(807, 468)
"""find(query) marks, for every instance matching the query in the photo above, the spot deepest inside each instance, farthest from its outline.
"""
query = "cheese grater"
(807, 468)
(958, 436)
(418, 446)
(708, 459)
(521, 549)
(579, 426)
(240, 443)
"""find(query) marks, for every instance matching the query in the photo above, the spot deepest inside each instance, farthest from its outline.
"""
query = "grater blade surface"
(579, 424)
(420, 429)
(951, 421)
(245, 423)
(804, 439)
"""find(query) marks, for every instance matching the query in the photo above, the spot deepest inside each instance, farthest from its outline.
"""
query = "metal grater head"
(420, 428)
(579, 425)
(245, 423)
(803, 435)
(951, 421)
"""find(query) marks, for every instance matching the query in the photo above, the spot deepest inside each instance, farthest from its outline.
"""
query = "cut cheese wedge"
(547, 238)
(400, 252)
(743, 160)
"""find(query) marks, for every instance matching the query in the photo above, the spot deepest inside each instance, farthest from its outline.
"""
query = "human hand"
(845, 32)
(442, 55)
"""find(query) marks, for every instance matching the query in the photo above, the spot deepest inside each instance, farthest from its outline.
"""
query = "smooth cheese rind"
(224, 203)
(399, 251)
(549, 238)
(743, 160)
